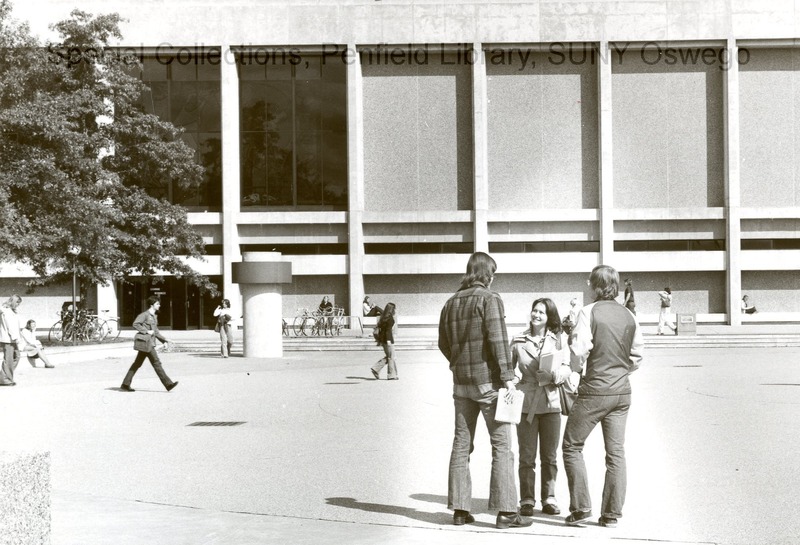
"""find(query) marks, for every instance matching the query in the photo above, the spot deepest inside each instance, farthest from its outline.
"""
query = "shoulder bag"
(142, 342)
(567, 396)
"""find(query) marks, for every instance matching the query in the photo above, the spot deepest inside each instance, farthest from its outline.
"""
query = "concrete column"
(480, 104)
(261, 276)
(733, 218)
(231, 186)
(355, 185)
(606, 155)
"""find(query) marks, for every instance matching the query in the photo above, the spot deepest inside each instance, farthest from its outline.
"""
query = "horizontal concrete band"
(253, 272)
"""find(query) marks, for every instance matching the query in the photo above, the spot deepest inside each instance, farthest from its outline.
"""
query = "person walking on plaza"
(607, 344)
(387, 333)
(224, 326)
(629, 301)
(473, 338)
(9, 339)
(32, 346)
(541, 407)
(146, 325)
(666, 306)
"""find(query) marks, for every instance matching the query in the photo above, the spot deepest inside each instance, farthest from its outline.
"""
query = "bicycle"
(337, 321)
(86, 327)
(109, 327)
(304, 323)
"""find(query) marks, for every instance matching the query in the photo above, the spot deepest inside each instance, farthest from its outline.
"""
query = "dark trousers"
(10, 361)
(152, 355)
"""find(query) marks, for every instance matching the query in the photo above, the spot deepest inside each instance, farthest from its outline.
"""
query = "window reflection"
(293, 133)
(187, 93)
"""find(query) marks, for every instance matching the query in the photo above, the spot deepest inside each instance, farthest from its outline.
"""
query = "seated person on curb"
(747, 306)
(370, 309)
(33, 346)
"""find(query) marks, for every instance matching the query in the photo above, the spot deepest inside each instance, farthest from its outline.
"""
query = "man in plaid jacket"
(473, 338)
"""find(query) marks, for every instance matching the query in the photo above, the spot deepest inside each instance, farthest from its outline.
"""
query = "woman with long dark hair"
(387, 331)
(541, 357)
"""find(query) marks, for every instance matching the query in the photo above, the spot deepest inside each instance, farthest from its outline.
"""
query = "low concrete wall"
(25, 498)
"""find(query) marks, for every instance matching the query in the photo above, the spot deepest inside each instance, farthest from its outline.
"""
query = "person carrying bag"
(144, 342)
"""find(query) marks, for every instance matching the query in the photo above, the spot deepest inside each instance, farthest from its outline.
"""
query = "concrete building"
(377, 143)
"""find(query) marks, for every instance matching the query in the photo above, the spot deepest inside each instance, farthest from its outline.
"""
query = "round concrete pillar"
(261, 276)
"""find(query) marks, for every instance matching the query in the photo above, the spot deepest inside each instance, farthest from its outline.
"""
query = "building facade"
(377, 143)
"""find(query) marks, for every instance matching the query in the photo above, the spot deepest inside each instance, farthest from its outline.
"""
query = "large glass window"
(293, 124)
(185, 89)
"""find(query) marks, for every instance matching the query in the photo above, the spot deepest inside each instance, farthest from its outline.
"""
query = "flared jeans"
(226, 339)
(471, 401)
(388, 359)
(611, 412)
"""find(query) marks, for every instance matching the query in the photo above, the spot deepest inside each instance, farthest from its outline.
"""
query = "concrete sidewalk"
(328, 455)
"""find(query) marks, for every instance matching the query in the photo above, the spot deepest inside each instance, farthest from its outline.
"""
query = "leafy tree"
(77, 153)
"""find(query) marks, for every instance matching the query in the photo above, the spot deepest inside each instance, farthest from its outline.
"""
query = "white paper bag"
(509, 412)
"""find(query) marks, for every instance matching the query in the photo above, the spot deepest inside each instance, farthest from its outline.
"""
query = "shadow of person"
(432, 498)
(409, 512)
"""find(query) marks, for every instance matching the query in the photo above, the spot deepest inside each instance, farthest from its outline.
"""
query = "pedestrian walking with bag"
(541, 357)
(224, 327)
(473, 338)
(144, 342)
(387, 333)
(607, 344)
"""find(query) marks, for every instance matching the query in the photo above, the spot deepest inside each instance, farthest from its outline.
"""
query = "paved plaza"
(328, 455)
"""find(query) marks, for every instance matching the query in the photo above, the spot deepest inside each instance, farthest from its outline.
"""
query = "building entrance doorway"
(182, 305)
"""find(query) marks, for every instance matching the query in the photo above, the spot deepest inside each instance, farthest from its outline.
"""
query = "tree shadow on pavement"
(430, 518)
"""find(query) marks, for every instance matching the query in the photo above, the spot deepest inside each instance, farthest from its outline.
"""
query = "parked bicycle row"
(84, 325)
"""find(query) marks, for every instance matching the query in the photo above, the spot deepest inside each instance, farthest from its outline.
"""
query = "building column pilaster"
(606, 155)
(733, 226)
(231, 187)
(355, 185)
(480, 104)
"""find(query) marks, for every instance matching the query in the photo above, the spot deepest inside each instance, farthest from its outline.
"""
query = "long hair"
(551, 310)
(13, 301)
(388, 311)
(604, 281)
(480, 268)
(225, 303)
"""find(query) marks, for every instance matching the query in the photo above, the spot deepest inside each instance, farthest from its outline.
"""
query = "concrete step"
(343, 343)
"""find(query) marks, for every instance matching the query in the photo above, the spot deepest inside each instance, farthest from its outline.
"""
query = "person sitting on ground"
(371, 309)
(33, 347)
(747, 306)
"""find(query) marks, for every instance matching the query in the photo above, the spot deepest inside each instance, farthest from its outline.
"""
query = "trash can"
(686, 324)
